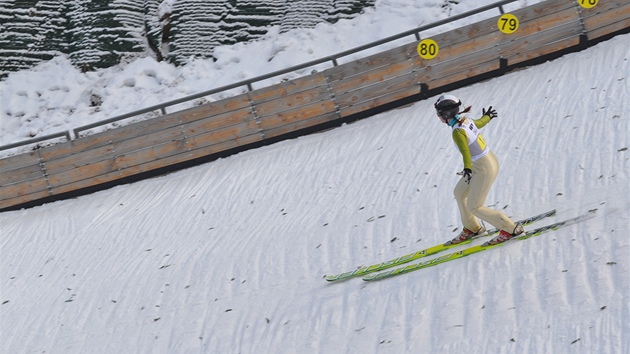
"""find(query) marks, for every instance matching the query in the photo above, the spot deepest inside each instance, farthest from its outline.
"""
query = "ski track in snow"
(229, 257)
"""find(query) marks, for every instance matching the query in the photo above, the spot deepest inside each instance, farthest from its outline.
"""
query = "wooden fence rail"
(315, 100)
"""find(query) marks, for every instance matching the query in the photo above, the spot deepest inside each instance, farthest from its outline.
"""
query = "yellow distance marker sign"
(508, 23)
(587, 4)
(428, 49)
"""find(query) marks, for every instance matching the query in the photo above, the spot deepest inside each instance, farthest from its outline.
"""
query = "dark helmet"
(447, 107)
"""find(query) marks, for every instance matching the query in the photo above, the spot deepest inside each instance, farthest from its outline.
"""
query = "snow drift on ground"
(229, 257)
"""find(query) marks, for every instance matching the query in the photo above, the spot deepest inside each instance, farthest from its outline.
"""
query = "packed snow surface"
(229, 256)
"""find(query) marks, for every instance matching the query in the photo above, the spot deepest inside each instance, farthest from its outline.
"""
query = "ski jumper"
(485, 167)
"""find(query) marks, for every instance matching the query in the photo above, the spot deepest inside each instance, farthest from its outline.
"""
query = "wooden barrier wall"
(309, 101)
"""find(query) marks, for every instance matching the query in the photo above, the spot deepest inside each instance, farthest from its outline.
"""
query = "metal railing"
(248, 83)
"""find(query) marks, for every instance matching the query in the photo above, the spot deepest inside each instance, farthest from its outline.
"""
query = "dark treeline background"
(98, 33)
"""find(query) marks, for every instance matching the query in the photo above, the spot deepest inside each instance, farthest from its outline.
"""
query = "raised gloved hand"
(467, 175)
(492, 113)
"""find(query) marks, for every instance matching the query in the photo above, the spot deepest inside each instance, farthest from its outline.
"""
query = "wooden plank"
(146, 126)
(152, 165)
(110, 136)
(139, 156)
(478, 56)
(472, 60)
(20, 189)
(18, 161)
(232, 121)
(551, 27)
(379, 89)
(154, 153)
(204, 111)
(476, 32)
(247, 133)
(99, 161)
(606, 30)
(22, 174)
(606, 18)
(480, 47)
(529, 41)
(82, 172)
(219, 121)
(536, 52)
(379, 101)
(453, 74)
(172, 148)
(287, 88)
(614, 10)
(536, 12)
(301, 124)
(371, 77)
(292, 116)
(83, 144)
(142, 142)
(460, 63)
(542, 43)
(108, 152)
(482, 34)
(105, 171)
(359, 66)
(83, 158)
(291, 102)
(485, 35)
(25, 198)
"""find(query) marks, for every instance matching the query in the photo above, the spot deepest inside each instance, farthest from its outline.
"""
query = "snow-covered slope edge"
(228, 257)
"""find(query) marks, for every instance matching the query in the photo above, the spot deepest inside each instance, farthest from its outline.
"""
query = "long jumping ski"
(479, 248)
(424, 253)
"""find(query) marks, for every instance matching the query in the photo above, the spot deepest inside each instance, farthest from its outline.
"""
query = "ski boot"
(504, 235)
(465, 235)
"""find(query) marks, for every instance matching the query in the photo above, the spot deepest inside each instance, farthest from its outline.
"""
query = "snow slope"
(229, 257)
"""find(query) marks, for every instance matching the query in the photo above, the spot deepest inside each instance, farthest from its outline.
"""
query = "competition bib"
(476, 144)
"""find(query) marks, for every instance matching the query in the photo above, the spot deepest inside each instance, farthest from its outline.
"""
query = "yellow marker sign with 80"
(428, 49)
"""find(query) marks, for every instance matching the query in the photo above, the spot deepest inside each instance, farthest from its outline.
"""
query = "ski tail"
(530, 220)
(555, 226)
